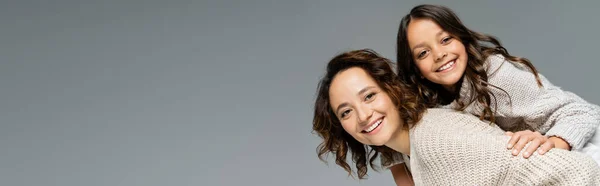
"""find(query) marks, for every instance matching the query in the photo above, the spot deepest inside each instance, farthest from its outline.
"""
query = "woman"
(361, 107)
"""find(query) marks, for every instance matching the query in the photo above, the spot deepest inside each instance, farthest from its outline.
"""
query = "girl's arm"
(558, 114)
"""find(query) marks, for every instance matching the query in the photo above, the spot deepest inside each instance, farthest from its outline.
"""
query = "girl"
(363, 108)
(455, 67)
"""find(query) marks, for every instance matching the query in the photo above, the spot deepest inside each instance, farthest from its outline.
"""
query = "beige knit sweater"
(450, 147)
(548, 109)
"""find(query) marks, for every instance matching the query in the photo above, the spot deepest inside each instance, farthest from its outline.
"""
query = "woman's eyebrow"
(362, 91)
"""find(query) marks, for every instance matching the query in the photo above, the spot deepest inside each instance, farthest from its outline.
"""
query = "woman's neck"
(400, 141)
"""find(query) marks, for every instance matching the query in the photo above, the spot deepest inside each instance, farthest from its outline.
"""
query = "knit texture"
(548, 109)
(449, 147)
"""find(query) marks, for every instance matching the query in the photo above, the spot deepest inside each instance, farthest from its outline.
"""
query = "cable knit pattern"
(449, 147)
(547, 109)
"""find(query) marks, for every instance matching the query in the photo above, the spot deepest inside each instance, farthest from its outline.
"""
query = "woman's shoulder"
(442, 120)
(434, 115)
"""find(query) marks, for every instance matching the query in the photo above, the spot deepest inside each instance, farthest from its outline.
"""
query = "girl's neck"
(454, 89)
(450, 93)
(451, 88)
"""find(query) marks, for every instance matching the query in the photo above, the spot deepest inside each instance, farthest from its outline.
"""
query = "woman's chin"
(378, 142)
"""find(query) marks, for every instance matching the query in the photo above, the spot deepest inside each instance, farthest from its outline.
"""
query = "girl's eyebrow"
(439, 33)
(423, 44)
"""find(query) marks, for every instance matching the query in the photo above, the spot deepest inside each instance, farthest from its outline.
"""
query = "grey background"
(132, 92)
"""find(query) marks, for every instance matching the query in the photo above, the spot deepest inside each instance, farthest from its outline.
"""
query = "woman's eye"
(369, 96)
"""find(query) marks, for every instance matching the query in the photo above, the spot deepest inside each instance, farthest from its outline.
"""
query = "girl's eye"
(446, 40)
(345, 113)
(421, 54)
(369, 96)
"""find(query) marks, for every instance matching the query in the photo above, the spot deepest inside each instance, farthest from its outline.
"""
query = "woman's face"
(365, 111)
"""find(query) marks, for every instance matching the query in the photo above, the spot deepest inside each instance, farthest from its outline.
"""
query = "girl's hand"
(560, 143)
(536, 140)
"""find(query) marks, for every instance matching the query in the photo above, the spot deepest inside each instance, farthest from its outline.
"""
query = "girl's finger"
(545, 147)
(533, 145)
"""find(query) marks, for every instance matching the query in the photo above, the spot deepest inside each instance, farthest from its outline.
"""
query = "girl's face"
(440, 57)
(365, 111)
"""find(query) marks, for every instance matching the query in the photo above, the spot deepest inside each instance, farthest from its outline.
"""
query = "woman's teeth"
(372, 127)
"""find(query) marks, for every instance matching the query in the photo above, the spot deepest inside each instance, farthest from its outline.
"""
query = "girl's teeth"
(446, 66)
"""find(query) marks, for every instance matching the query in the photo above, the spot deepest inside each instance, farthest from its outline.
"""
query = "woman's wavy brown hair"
(478, 47)
(327, 125)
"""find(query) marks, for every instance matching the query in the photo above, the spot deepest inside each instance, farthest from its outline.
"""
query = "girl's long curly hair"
(478, 47)
(327, 125)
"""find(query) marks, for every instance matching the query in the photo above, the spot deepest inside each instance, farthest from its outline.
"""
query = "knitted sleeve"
(453, 148)
(548, 109)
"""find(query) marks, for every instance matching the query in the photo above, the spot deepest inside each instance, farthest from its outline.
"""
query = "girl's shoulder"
(498, 62)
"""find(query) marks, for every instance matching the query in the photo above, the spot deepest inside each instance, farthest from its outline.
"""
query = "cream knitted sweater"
(547, 109)
(450, 147)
